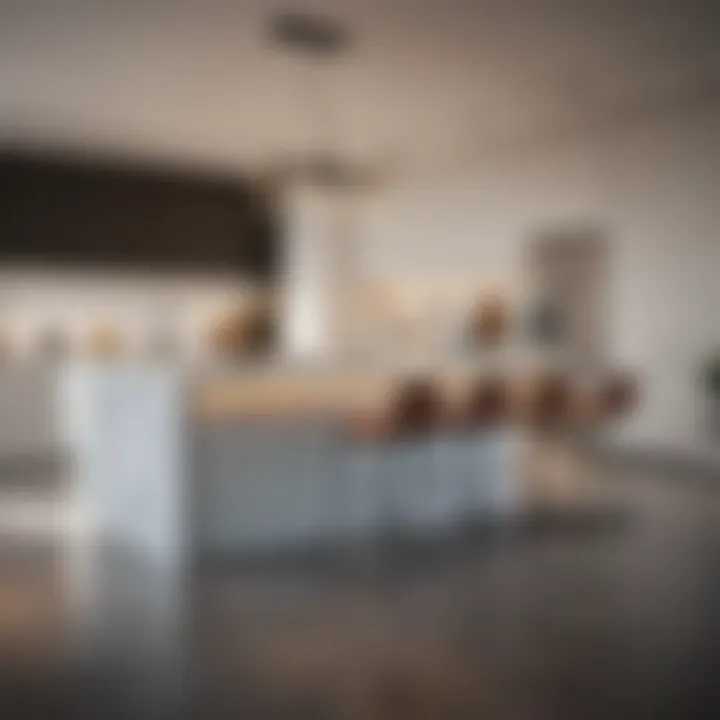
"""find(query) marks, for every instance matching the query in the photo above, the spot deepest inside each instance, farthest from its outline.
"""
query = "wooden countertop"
(357, 392)
(285, 393)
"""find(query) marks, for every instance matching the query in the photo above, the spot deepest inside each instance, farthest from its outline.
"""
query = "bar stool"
(397, 455)
(548, 414)
(411, 489)
(481, 412)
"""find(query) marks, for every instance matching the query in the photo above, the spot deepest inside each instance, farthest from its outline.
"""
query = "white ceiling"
(424, 79)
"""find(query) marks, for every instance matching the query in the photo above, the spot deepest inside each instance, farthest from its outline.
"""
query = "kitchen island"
(178, 463)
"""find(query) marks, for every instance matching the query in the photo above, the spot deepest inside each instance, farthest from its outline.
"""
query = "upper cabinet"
(68, 211)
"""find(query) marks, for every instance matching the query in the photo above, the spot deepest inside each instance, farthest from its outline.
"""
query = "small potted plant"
(711, 388)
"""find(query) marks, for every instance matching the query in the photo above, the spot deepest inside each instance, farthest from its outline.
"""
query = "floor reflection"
(550, 619)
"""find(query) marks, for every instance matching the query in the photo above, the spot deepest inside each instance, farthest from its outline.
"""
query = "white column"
(132, 456)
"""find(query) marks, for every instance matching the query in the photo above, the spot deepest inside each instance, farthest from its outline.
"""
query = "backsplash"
(59, 313)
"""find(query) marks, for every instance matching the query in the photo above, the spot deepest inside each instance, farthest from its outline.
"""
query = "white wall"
(654, 188)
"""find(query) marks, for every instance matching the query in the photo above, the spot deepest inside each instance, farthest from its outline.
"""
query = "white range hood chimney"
(320, 270)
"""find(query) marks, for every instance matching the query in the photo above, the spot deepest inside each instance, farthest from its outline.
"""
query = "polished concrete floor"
(571, 613)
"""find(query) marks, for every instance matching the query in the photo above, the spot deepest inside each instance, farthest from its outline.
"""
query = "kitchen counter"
(177, 465)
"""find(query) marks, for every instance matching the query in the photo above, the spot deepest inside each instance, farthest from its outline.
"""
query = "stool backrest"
(415, 407)
(551, 400)
(486, 402)
(618, 394)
